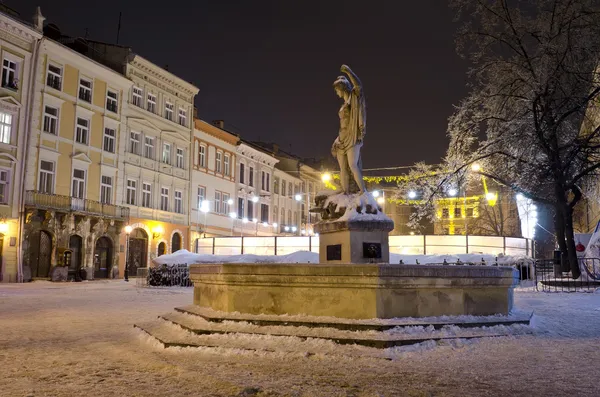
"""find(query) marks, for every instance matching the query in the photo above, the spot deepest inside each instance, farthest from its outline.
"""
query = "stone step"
(352, 325)
(170, 335)
(376, 339)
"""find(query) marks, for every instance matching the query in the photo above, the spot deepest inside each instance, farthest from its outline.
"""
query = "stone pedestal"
(355, 291)
(354, 241)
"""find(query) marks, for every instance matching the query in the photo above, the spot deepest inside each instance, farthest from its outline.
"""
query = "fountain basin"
(354, 291)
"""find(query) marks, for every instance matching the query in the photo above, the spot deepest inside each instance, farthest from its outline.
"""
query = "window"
(152, 103)
(445, 213)
(296, 219)
(470, 212)
(283, 215)
(137, 96)
(457, 212)
(290, 190)
(85, 90)
(109, 140)
(226, 165)
(78, 190)
(251, 177)
(46, 177)
(179, 159)
(268, 189)
(289, 217)
(54, 78)
(51, 120)
(9, 74)
(201, 195)
(202, 156)
(182, 117)
(131, 191)
(310, 187)
(5, 127)
(218, 162)
(240, 208)
(146, 195)
(134, 142)
(112, 101)
(250, 209)
(218, 202)
(106, 190)
(241, 173)
(276, 185)
(83, 130)
(169, 111)
(264, 213)
(4, 191)
(275, 214)
(263, 179)
(166, 156)
(283, 183)
(164, 199)
(225, 197)
(178, 202)
(149, 147)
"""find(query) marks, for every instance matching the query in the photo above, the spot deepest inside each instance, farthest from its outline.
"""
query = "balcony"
(70, 204)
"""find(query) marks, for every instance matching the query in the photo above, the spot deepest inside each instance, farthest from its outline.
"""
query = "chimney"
(275, 148)
(219, 123)
(38, 20)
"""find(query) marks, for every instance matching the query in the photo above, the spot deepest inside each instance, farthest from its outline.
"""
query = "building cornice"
(164, 76)
(23, 34)
(255, 154)
(203, 126)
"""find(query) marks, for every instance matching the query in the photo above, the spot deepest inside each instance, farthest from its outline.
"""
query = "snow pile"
(353, 201)
(184, 257)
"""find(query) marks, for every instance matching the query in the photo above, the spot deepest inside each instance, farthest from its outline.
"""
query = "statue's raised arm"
(352, 76)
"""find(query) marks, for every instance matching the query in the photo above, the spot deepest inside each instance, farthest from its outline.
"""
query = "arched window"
(162, 248)
(176, 242)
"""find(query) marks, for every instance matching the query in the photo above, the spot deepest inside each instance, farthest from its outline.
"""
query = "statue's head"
(342, 86)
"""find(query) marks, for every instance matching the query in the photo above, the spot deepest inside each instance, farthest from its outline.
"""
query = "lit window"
(112, 101)
(225, 206)
(201, 195)
(137, 96)
(166, 156)
(85, 90)
(50, 120)
(78, 190)
(46, 184)
(109, 140)
(218, 202)
(82, 131)
(202, 156)
(264, 213)
(106, 190)
(5, 128)
(54, 77)
(182, 117)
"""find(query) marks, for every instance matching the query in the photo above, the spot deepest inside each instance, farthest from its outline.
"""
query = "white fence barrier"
(407, 245)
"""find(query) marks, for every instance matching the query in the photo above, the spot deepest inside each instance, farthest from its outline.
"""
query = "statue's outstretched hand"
(345, 69)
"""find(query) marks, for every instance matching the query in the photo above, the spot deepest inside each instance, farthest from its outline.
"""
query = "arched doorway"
(76, 246)
(162, 248)
(40, 254)
(138, 250)
(175, 242)
(102, 257)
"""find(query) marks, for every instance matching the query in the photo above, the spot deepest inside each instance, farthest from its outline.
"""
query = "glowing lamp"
(412, 194)
(294, 228)
(265, 224)
(375, 193)
(232, 215)
(275, 224)
(254, 199)
(475, 167)
(298, 197)
(326, 177)
(128, 229)
(380, 200)
(230, 201)
(245, 220)
(452, 192)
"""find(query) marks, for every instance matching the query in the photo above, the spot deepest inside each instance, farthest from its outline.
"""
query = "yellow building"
(17, 49)
(72, 192)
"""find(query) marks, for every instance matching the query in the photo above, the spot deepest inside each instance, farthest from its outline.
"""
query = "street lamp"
(128, 230)
(375, 193)
(452, 192)
(298, 197)
(232, 215)
(412, 194)
(326, 177)
(204, 207)
(475, 167)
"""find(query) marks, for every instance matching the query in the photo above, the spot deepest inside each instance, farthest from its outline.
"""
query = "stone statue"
(353, 125)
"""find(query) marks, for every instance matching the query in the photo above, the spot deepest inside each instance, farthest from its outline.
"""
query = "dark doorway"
(102, 257)
(138, 251)
(40, 254)
(176, 242)
(76, 246)
(162, 249)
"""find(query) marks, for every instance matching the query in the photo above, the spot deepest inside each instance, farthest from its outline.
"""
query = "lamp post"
(126, 272)
(232, 215)
(205, 208)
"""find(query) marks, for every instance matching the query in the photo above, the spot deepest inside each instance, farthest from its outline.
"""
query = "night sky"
(267, 67)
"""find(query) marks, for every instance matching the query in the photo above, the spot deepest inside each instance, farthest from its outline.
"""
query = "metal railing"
(164, 276)
(549, 276)
(68, 203)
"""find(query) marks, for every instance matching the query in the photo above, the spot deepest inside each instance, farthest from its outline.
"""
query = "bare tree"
(530, 119)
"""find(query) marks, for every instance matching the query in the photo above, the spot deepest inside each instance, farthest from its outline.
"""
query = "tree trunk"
(559, 227)
(570, 240)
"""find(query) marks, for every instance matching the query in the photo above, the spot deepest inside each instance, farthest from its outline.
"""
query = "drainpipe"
(28, 120)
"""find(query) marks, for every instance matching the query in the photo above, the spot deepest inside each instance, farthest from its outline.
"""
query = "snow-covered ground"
(77, 339)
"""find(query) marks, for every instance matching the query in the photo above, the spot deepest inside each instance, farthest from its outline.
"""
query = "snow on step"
(357, 325)
(393, 337)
